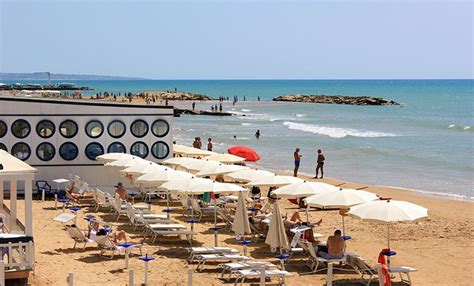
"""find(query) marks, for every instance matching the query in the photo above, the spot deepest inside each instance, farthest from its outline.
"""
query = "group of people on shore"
(198, 144)
(319, 162)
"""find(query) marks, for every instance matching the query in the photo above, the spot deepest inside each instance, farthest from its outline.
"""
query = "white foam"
(246, 124)
(335, 132)
(300, 115)
(246, 110)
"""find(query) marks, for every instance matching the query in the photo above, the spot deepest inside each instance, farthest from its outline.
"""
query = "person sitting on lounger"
(335, 247)
(295, 221)
(116, 237)
(121, 191)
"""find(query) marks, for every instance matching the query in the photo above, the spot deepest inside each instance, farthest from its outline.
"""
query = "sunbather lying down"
(295, 221)
(77, 195)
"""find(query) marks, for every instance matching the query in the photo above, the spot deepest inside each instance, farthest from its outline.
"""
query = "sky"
(378, 39)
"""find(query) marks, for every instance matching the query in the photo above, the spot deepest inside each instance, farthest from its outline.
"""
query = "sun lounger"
(257, 273)
(314, 261)
(364, 269)
(141, 217)
(105, 244)
(193, 251)
(78, 236)
(233, 267)
(157, 229)
(203, 258)
(198, 210)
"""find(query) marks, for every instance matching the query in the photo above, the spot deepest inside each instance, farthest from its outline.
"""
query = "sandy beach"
(441, 249)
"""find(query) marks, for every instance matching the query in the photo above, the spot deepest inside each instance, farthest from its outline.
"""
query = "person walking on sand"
(297, 157)
(257, 134)
(220, 107)
(320, 163)
(209, 144)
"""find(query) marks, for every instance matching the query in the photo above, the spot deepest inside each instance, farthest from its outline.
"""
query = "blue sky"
(240, 39)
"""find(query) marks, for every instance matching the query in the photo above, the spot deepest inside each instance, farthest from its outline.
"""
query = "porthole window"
(21, 128)
(94, 129)
(45, 151)
(93, 150)
(3, 129)
(160, 128)
(160, 150)
(116, 129)
(139, 149)
(116, 147)
(68, 128)
(139, 128)
(3, 147)
(21, 150)
(45, 128)
(68, 151)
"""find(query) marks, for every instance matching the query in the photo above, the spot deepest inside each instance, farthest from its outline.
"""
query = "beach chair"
(105, 244)
(193, 251)
(80, 197)
(234, 267)
(364, 269)
(257, 273)
(157, 229)
(78, 236)
(314, 261)
(120, 206)
(186, 204)
(140, 217)
(101, 200)
(202, 259)
(198, 210)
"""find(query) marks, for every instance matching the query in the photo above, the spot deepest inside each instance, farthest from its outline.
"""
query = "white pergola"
(14, 170)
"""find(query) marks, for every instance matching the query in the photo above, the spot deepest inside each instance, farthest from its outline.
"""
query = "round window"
(68, 151)
(3, 147)
(116, 147)
(21, 150)
(21, 128)
(68, 128)
(45, 129)
(3, 129)
(93, 150)
(139, 149)
(94, 129)
(160, 150)
(160, 128)
(139, 128)
(45, 151)
(116, 129)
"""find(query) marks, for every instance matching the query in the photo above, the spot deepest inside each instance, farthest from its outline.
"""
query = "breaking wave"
(335, 132)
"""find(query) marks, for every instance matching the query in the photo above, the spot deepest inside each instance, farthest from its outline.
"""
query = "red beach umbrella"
(244, 152)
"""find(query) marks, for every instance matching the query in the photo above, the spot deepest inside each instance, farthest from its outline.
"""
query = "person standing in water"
(297, 157)
(320, 164)
(257, 134)
(194, 105)
(209, 144)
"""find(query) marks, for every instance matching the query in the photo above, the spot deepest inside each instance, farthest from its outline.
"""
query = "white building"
(63, 136)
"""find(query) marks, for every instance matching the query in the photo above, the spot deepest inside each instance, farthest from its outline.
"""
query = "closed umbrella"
(304, 189)
(225, 158)
(274, 181)
(217, 188)
(341, 199)
(212, 170)
(244, 152)
(248, 175)
(276, 236)
(241, 225)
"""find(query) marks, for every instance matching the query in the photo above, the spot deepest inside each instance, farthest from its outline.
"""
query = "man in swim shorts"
(297, 157)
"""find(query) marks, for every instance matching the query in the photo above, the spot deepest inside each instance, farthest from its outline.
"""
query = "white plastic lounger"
(203, 258)
(105, 244)
(187, 233)
(314, 261)
(78, 236)
(233, 267)
(256, 273)
(193, 251)
(403, 270)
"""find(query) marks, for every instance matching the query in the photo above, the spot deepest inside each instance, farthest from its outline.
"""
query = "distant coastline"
(60, 76)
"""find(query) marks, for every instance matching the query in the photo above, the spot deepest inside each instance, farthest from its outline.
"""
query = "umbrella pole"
(192, 217)
(343, 227)
(388, 244)
(168, 204)
(307, 213)
(215, 221)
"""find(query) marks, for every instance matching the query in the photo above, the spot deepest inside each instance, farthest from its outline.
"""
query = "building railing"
(18, 255)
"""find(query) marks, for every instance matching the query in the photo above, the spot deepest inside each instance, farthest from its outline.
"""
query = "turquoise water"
(426, 144)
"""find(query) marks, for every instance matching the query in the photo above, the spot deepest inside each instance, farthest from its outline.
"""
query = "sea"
(425, 144)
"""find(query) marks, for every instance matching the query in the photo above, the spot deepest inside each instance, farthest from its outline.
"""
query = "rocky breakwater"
(336, 99)
(171, 95)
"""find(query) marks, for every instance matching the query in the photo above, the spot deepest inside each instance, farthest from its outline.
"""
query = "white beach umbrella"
(159, 177)
(303, 189)
(177, 161)
(274, 181)
(141, 169)
(127, 162)
(190, 151)
(217, 188)
(220, 169)
(341, 199)
(184, 185)
(248, 175)
(389, 211)
(225, 158)
(276, 236)
(109, 157)
(241, 225)
(197, 165)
